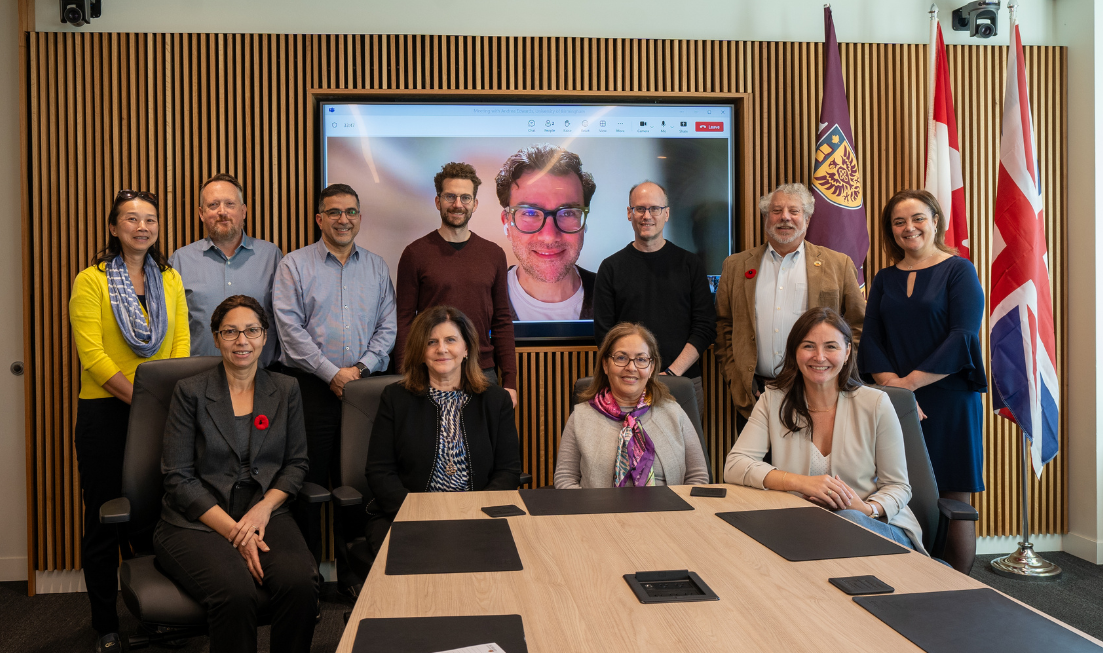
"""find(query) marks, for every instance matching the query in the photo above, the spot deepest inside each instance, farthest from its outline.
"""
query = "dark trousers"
(322, 417)
(101, 442)
(212, 571)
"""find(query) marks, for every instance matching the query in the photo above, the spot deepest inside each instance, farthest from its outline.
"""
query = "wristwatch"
(669, 371)
(873, 510)
(364, 372)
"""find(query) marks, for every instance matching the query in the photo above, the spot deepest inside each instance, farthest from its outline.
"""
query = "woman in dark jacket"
(442, 428)
(234, 454)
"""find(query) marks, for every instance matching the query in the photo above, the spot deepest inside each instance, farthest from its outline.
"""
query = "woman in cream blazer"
(832, 440)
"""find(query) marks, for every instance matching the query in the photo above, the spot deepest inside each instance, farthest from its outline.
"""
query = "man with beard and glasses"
(453, 266)
(764, 290)
(227, 262)
(545, 198)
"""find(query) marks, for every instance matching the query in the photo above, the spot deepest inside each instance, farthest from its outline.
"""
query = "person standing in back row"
(453, 266)
(655, 283)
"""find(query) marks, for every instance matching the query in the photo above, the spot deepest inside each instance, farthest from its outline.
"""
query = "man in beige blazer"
(764, 290)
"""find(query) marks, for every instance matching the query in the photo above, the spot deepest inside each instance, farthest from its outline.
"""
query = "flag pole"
(1024, 563)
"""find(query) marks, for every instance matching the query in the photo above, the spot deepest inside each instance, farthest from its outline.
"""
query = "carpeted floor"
(59, 623)
(49, 623)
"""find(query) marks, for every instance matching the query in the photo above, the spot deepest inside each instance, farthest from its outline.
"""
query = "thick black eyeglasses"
(655, 211)
(126, 195)
(621, 360)
(531, 219)
(231, 334)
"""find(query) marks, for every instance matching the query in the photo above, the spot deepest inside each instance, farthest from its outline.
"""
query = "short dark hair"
(333, 190)
(229, 179)
(456, 170)
(416, 374)
(600, 381)
(552, 159)
(653, 183)
(238, 301)
(888, 240)
(794, 407)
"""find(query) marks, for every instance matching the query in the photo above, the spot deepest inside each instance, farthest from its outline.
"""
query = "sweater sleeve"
(605, 301)
(406, 298)
(703, 319)
(501, 325)
(181, 335)
(568, 471)
(85, 311)
(744, 464)
(893, 489)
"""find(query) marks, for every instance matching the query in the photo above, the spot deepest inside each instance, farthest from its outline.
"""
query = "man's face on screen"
(548, 255)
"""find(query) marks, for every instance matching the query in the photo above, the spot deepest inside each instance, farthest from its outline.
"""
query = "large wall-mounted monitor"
(389, 152)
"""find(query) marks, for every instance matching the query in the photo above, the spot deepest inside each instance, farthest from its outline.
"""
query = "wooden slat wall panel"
(164, 111)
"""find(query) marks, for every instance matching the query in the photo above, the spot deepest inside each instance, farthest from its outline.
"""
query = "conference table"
(572, 595)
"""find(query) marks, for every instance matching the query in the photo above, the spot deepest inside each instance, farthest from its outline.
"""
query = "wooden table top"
(572, 595)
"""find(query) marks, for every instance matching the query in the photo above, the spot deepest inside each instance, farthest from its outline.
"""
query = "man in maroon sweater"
(453, 266)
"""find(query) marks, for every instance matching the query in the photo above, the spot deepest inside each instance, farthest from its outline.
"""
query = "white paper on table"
(478, 648)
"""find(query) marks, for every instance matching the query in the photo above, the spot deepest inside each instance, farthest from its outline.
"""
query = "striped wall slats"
(165, 111)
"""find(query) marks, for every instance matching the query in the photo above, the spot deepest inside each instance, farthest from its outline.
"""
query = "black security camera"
(980, 18)
(79, 12)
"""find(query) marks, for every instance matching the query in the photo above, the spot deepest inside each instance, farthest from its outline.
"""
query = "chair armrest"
(313, 493)
(957, 510)
(347, 496)
(115, 511)
(526, 478)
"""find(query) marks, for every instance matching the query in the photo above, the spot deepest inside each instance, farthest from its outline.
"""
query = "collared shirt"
(330, 315)
(210, 277)
(780, 297)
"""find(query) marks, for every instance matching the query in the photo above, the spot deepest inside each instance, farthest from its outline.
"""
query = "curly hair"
(548, 158)
(455, 170)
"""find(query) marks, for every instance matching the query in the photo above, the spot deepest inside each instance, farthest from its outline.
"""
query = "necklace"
(912, 266)
(822, 410)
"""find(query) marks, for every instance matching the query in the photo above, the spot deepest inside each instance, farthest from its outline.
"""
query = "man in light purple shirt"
(334, 310)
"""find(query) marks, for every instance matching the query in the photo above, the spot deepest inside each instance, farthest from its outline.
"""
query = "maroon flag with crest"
(839, 221)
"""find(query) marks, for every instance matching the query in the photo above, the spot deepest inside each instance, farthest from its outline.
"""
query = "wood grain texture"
(572, 596)
(163, 112)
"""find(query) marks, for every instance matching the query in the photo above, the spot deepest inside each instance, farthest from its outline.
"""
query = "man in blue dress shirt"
(227, 262)
(335, 314)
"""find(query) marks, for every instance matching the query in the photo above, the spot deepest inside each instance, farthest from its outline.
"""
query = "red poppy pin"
(751, 273)
(261, 422)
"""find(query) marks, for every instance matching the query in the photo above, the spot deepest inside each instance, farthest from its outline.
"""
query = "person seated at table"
(834, 441)
(627, 430)
(234, 453)
(443, 427)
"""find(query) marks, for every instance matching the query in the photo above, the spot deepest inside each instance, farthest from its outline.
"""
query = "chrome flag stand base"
(1024, 563)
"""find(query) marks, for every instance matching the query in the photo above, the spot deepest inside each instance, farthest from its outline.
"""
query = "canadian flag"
(943, 175)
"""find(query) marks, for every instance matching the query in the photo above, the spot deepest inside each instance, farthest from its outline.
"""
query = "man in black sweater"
(659, 285)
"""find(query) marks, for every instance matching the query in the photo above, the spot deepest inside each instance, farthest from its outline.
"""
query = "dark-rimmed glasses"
(450, 198)
(531, 219)
(335, 214)
(655, 211)
(126, 195)
(231, 334)
(621, 360)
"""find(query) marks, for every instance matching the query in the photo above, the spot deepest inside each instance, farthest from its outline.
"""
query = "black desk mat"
(972, 621)
(455, 546)
(799, 534)
(596, 501)
(431, 634)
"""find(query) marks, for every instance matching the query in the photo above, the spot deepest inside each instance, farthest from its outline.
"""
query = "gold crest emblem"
(835, 174)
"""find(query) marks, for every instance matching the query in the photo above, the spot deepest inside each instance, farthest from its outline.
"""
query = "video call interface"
(389, 153)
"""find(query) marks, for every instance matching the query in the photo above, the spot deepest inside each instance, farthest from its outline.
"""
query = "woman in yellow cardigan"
(128, 307)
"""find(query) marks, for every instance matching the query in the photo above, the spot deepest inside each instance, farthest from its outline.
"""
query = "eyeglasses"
(126, 195)
(231, 334)
(530, 219)
(450, 198)
(655, 211)
(621, 360)
(335, 214)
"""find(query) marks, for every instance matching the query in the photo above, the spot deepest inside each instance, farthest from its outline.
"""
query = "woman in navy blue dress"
(921, 330)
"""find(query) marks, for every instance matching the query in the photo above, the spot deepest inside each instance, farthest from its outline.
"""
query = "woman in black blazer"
(234, 453)
(442, 428)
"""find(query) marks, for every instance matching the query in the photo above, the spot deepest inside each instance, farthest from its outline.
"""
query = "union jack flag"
(1024, 362)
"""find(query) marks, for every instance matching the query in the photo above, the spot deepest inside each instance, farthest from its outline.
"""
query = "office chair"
(684, 394)
(152, 597)
(934, 514)
(359, 406)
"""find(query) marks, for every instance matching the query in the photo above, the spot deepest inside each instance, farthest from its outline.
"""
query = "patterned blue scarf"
(144, 338)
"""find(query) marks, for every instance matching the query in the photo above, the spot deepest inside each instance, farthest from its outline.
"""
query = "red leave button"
(710, 126)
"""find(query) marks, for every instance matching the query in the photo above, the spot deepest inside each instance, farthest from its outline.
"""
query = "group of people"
(794, 335)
